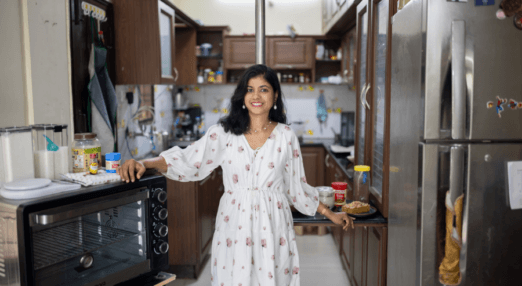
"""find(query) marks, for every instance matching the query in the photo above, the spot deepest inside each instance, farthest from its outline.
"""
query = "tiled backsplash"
(300, 103)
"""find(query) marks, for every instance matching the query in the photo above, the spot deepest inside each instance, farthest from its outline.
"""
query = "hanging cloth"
(322, 113)
(449, 270)
(101, 90)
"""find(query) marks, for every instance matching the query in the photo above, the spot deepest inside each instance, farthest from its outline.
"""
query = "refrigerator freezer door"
(492, 232)
(491, 68)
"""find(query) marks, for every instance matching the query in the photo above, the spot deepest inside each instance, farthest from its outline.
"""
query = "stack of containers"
(16, 154)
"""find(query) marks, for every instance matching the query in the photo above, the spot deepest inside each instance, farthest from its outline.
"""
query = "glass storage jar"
(62, 157)
(16, 154)
(85, 144)
(361, 183)
(43, 152)
(326, 196)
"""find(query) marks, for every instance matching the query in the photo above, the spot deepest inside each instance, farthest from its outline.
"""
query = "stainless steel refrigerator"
(455, 124)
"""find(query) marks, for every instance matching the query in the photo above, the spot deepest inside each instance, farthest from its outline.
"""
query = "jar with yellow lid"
(83, 146)
(361, 183)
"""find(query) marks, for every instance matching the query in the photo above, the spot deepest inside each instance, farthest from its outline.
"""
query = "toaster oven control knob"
(161, 230)
(160, 213)
(162, 247)
(160, 195)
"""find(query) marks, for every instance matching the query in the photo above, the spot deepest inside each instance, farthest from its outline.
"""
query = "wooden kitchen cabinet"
(287, 53)
(145, 42)
(376, 263)
(239, 52)
(313, 158)
(373, 72)
(360, 243)
(191, 221)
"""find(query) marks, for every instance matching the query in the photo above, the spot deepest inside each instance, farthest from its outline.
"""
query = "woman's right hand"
(130, 170)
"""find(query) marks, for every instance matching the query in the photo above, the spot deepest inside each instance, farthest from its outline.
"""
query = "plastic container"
(84, 144)
(205, 49)
(16, 154)
(112, 162)
(319, 53)
(340, 193)
(326, 196)
(361, 183)
(43, 157)
(62, 157)
(219, 77)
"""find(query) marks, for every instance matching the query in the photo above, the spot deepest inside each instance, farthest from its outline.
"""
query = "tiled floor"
(320, 264)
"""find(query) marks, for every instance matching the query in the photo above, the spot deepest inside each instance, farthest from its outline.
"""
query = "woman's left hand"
(343, 219)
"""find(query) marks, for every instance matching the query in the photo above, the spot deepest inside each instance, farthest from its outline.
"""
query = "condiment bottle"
(340, 193)
(361, 183)
(93, 167)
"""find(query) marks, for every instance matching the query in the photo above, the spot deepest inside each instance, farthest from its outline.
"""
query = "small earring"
(275, 107)
(244, 106)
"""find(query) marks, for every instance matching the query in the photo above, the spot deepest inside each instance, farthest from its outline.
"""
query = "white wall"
(12, 106)
(305, 15)
(35, 63)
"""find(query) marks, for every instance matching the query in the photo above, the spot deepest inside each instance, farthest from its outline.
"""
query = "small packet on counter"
(87, 179)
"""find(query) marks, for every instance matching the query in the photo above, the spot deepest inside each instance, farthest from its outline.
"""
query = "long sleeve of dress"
(303, 196)
(198, 160)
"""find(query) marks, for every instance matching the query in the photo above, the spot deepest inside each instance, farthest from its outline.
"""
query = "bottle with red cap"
(339, 193)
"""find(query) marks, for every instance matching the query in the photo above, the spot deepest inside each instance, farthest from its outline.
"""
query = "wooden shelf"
(327, 61)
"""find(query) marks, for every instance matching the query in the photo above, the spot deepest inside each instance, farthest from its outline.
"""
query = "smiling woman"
(263, 174)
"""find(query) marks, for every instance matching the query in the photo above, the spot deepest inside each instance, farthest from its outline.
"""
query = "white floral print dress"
(254, 241)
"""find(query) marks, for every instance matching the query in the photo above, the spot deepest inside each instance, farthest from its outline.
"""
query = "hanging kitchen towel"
(101, 90)
(449, 270)
(322, 114)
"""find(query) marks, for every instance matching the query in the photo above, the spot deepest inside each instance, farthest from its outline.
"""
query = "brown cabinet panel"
(239, 53)
(376, 248)
(347, 247)
(186, 63)
(138, 41)
(360, 252)
(313, 161)
(287, 53)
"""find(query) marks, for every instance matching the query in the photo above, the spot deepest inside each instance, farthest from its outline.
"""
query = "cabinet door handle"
(204, 181)
(365, 101)
(363, 92)
(326, 160)
(177, 74)
(221, 188)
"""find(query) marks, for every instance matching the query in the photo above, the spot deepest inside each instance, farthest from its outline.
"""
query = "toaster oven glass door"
(106, 245)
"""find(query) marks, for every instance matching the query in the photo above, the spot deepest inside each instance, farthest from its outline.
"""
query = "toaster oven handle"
(54, 215)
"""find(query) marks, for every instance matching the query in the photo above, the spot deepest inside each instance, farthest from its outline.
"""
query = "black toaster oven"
(100, 235)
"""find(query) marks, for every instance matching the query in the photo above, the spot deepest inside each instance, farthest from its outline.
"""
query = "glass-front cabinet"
(373, 96)
(167, 43)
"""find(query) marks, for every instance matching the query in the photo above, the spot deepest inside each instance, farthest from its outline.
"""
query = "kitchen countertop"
(320, 220)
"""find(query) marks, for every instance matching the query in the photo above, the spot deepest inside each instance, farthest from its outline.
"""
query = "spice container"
(112, 162)
(83, 146)
(16, 154)
(43, 151)
(219, 77)
(62, 157)
(340, 193)
(326, 196)
(361, 183)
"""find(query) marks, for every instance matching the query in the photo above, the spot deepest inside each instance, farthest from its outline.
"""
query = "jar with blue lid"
(112, 162)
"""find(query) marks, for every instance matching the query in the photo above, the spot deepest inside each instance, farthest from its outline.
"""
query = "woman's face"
(260, 96)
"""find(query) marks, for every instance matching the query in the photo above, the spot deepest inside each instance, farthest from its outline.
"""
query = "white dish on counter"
(342, 149)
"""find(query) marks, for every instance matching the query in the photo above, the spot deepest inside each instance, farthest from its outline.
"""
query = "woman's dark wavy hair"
(238, 119)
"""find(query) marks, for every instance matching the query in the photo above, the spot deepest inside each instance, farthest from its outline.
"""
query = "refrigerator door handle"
(458, 80)
(456, 179)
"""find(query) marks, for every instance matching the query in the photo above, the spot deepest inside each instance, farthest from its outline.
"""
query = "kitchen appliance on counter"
(347, 128)
(455, 126)
(100, 235)
(188, 120)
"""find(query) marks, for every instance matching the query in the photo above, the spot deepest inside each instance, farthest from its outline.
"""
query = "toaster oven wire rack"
(57, 244)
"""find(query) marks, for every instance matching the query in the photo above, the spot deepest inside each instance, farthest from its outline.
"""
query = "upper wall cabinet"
(240, 52)
(287, 53)
(145, 42)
